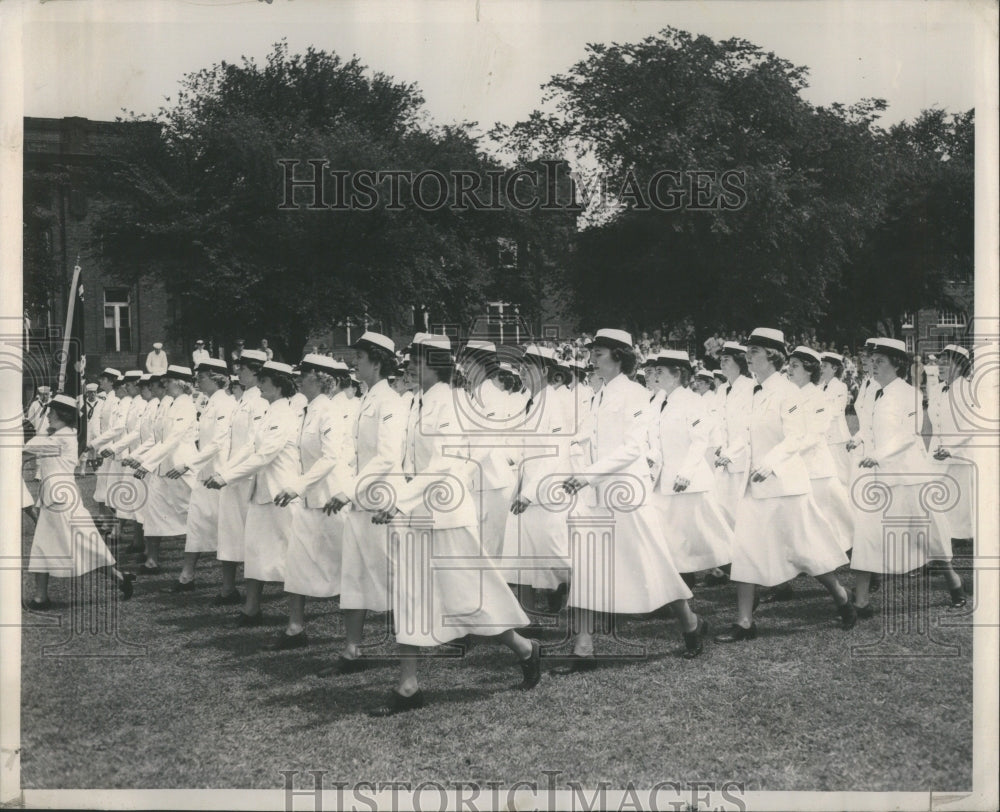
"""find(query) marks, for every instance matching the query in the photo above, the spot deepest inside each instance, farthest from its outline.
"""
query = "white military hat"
(253, 355)
(277, 367)
(133, 374)
(44, 390)
(179, 373)
(612, 339)
(733, 348)
(545, 353)
(157, 345)
(892, 346)
(955, 349)
(834, 357)
(769, 338)
(111, 373)
(63, 400)
(705, 375)
(671, 358)
(376, 341)
(804, 353)
(92, 387)
(322, 363)
(213, 365)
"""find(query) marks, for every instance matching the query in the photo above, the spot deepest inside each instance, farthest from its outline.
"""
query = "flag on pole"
(73, 362)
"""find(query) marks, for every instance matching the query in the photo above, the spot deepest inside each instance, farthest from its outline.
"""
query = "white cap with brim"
(111, 373)
(833, 357)
(612, 339)
(253, 355)
(545, 353)
(733, 348)
(476, 346)
(892, 346)
(705, 375)
(768, 338)
(314, 362)
(90, 387)
(955, 349)
(278, 368)
(65, 401)
(133, 374)
(157, 345)
(376, 341)
(44, 390)
(178, 373)
(216, 365)
(671, 358)
(806, 354)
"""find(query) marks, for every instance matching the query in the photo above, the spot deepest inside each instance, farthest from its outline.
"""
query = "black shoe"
(343, 665)
(531, 668)
(958, 599)
(36, 606)
(180, 586)
(127, 585)
(737, 634)
(690, 579)
(397, 703)
(848, 615)
(864, 612)
(711, 579)
(875, 584)
(694, 642)
(232, 599)
(284, 642)
(147, 570)
(577, 665)
(782, 593)
(244, 620)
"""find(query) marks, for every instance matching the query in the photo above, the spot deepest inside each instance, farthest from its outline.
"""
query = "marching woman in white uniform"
(202, 531)
(731, 461)
(148, 387)
(274, 459)
(378, 429)
(166, 509)
(864, 403)
(831, 497)
(126, 494)
(434, 602)
(780, 531)
(483, 416)
(837, 397)
(315, 547)
(636, 573)
(693, 526)
(954, 423)
(537, 533)
(234, 500)
(66, 542)
(894, 473)
(106, 383)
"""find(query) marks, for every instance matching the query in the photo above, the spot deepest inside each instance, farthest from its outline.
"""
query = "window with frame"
(909, 343)
(117, 320)
(948, 318)
(906, 320)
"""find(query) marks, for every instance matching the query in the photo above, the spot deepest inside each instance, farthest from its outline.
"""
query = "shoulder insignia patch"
(386, 417)
(637, 413)
(792, 409)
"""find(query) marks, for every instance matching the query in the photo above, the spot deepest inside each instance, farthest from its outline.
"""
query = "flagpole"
(68, 334)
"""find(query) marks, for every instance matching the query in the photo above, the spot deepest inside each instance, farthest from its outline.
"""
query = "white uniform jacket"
(326, 453)
(776, 432)
(815, 448)
(213, 432)
(379, 426)
(837, 398)
(683, 434)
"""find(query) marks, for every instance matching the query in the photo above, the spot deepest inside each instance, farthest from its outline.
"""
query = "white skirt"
(961, 518)
(493, 508)
(729, 489)
(620, 563)
(902, 537)
(365, 566)
(234, 502)
(435, 601)
(536, 548)
(831, 498)
(315, 550)
(101, 483)
(203, 520)
(777, 538)
(129, 496)
(166, 509)
(842, 459)
(695, 530)
(265, 539)
(66, 542)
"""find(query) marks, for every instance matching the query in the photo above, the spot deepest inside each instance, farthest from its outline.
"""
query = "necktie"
(528, 405)
(729, 388)
(663, 405)
(944, 388)
(826, 385)
(879, 394)
(757, 388)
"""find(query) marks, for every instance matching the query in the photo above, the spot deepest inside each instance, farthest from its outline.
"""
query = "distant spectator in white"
(156, 361)
(200, 354)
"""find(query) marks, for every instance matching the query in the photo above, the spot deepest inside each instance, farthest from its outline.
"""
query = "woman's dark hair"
(625, 357)
(67, 414)
(253, 366)
(741, 362)
(901, 363)
(383, 359)
(220, 380)
(838, 368)
(683, 373)
(557, 376)
(285, 384)
(777, 358)
(964, 364)
(812, 367)
(357, 388)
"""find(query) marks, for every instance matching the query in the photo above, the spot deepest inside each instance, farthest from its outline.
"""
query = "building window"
(906, 320)
(909, 343)
(947, 318)
(117, 320)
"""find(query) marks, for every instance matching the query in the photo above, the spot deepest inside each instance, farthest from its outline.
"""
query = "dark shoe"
(875, 584)
(147, 570)
(531, 668)
(848, 615)
(958, 599)
(232, 599)
(713, 579)
(127, 585)
(782, 593)
(577, 664)
(557, 600)
(694, 642)
(737, 634)
(865, 612)
(690, 579)
(180, 586)
(343, 665)
(284, 642)
(36, 606)
(397, 703)
(244, 620)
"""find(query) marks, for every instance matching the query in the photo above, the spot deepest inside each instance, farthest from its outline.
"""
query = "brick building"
(121, 321)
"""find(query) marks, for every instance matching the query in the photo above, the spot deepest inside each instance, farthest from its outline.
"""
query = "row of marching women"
(474, 490)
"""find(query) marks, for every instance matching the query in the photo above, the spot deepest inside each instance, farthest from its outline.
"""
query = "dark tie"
(757, 388)
(729, 388)
(528, 405)
(663, 405)
(826, 385)
(652, 397)
(879, 394)
(944, 388)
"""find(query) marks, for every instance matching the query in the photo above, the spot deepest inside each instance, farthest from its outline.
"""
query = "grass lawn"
(203, 707)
